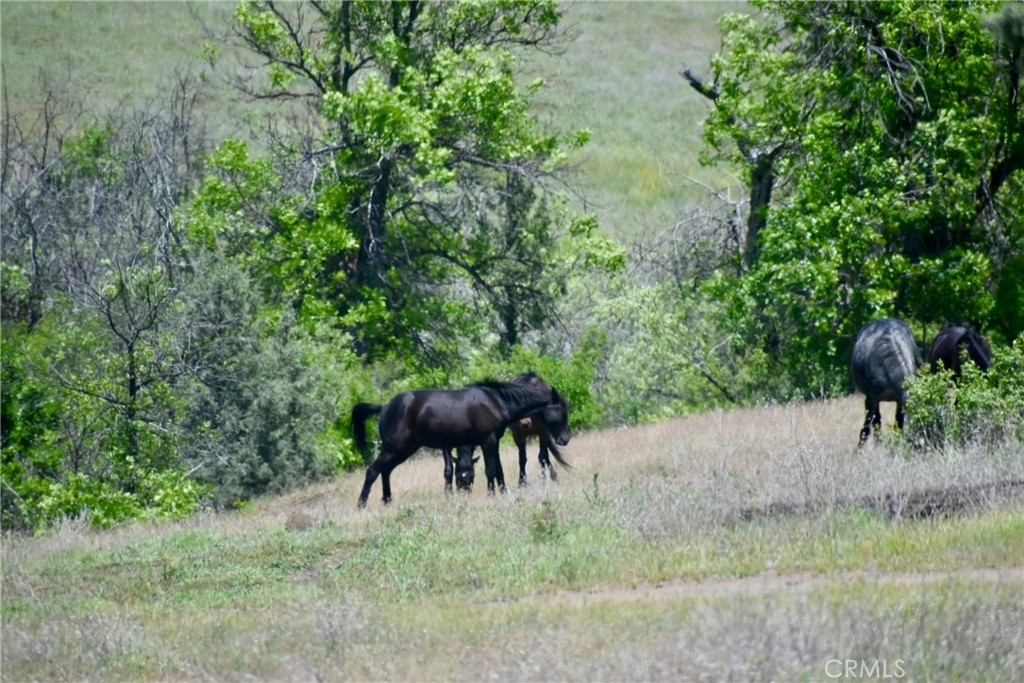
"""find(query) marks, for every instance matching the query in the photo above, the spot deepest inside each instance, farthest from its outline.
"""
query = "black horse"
(522, 429)
(952, 343)
(464, 468)
(438, 418)
(533, 426)
(884, 357)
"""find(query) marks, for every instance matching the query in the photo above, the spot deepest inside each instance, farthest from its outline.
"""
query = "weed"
(544, 522)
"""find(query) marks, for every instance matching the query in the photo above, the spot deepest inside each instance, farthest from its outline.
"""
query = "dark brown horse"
(955, 342)
(533, 426)
(439, 418)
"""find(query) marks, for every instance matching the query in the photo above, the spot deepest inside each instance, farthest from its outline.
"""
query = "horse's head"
(978, 349)
(555, 414)
(556, 418)
(465, 471)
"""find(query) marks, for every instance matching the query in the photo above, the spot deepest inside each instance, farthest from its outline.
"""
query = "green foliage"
(980, 408)
(681, 356)
(30, 413)
(68, 451)
(268, 391)
(877, 121)
(431, 227)
(165, 494)
(1009, 303)
(290, 250)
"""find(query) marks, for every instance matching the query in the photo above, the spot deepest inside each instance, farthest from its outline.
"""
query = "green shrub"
(44, 502)
(980, 407)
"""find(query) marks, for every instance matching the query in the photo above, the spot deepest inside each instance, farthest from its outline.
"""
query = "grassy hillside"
(753, 544)
(619, 78)
(112, 55)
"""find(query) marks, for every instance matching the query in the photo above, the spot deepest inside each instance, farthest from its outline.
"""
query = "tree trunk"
(370, 266)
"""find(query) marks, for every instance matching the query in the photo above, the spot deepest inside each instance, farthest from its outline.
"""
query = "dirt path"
(770, 583)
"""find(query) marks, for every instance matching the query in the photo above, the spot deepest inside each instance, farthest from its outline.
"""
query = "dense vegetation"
(188, 319)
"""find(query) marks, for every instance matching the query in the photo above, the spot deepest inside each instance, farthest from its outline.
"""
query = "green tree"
(91, 271)
(894, 135)
(423, 175)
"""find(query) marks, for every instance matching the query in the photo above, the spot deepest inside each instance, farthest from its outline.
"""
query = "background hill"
(619, 78)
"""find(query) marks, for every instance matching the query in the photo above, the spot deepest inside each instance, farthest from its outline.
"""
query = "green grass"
(113, 52)
(245, 597)
(620, 79)
(272, 604)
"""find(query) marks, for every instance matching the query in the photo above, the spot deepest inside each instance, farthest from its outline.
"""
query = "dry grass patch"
(458, 587)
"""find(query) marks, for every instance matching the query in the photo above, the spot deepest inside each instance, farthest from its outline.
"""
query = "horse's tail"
(553, 449)
(360, 412)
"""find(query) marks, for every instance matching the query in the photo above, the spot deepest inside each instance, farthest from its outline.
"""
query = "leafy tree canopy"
(419, 208)
(884, 144)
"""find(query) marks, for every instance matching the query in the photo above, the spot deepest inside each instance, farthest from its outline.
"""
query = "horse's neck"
(521, 401)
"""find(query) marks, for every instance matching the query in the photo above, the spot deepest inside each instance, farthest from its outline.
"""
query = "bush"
(271, 412)
(979, 407)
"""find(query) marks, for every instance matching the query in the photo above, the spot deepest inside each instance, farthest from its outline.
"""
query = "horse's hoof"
(362, 503)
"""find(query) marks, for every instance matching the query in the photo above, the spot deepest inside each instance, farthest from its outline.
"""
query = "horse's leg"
(385, 484)
(871, 416)
(385, 471)
(520, 440)
(492, 463)
(382, 467)
(545, 459)
(899, 413)
(372, 471)
(449, 470)
(492, 475)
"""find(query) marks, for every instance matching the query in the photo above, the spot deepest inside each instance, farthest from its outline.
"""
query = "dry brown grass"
(638, 564)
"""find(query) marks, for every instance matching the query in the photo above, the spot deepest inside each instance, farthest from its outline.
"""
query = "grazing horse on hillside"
(532, 426)
(439, 418)
(463, 468)
(949, 345)
(884, 357)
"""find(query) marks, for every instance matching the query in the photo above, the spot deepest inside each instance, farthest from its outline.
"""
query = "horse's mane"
(488, 383)
(514, 392)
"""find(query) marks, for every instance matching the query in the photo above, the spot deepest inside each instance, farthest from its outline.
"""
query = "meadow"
(740, 545)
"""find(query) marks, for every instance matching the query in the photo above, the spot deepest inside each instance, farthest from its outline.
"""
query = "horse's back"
(440, 418)
(884, 356)
(946, 348)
